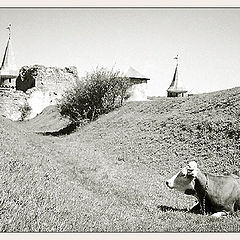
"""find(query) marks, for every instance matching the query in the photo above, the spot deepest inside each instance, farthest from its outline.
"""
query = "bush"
(99, 92)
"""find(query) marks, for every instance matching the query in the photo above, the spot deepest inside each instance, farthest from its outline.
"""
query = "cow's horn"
(192, 165)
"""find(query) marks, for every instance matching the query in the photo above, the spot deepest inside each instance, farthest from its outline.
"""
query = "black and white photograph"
(119, 120)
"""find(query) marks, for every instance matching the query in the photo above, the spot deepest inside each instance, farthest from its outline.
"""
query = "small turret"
(8, 68)
(176, 88)
(138, 88)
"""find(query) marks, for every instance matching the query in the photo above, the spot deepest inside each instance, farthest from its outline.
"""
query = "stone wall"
(11, 101)
(38, 100)
(38, 87)
(52, 79)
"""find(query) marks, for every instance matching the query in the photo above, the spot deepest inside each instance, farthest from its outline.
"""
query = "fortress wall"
(38, 100)
(37, 86)
(10, 103)
(51, 79)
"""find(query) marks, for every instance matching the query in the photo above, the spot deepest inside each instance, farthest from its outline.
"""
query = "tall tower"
(8, 70)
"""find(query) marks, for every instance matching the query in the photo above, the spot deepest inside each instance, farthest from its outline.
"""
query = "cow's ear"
(192, 165)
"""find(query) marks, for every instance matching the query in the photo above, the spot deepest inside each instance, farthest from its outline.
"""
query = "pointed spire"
(175, 85)
(8, 68)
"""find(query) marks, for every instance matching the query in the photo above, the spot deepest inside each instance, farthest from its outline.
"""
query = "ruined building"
(34, 86)
(37, 86)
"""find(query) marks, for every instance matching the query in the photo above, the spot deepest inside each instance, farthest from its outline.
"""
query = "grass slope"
(49, 120)
(109, 176)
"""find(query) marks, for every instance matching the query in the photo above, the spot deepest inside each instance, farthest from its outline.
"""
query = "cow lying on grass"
(218, 195)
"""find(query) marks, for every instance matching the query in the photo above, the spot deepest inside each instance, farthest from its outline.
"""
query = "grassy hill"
(109, 176)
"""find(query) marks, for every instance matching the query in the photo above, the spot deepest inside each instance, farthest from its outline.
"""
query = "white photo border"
(122, 4)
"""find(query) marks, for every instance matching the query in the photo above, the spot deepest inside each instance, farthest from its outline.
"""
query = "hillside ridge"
(109, 175)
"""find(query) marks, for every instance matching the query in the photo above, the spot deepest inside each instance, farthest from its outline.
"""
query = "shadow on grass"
(64, 131)
(171, 209)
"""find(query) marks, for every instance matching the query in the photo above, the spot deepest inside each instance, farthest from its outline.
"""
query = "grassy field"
(109, 176)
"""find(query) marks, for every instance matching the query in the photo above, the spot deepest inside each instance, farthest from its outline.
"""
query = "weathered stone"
(11, 101)
(38, 87)
(38, 100)
(52, 79)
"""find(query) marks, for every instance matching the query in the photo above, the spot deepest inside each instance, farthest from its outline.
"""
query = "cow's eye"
(182, 174)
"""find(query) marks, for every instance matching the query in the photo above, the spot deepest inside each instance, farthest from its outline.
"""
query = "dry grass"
(109, 175)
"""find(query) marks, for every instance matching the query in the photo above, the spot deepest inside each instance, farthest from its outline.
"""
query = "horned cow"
(217, 194)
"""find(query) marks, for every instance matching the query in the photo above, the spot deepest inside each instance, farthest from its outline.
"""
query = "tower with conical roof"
(8, 70)
(138, 88)
(176, 88)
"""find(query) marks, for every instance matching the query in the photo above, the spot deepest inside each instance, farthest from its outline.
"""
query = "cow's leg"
(219, 214)
(196, 208)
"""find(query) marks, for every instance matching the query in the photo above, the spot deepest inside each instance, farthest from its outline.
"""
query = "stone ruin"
(51, 79)
(34, 88)
(37, 87)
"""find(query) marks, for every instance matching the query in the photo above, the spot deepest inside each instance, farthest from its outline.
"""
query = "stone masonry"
(38, 87)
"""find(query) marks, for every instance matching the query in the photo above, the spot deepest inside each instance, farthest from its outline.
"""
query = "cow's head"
(184, 180)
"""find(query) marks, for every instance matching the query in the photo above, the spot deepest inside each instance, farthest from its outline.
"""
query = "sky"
(207, 41)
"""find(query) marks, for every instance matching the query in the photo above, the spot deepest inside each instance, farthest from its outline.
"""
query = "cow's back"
(224, 192)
